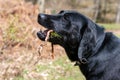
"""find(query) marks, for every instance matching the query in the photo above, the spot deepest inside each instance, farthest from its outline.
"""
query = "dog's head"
(75, 30)
(67, 24)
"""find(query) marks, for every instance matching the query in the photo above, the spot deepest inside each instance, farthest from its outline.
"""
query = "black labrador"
(97, 53)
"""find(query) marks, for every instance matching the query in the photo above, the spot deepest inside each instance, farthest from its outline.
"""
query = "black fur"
(96, 52)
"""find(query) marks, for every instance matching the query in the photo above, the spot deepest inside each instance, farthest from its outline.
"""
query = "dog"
(96, 52)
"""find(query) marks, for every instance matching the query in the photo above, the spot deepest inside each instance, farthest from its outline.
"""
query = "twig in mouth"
(44, 44)
(48, 34)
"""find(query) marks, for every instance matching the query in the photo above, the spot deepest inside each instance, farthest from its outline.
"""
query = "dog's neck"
(71, 50)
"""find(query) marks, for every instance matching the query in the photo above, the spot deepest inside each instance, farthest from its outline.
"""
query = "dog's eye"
(66, 16)
(61, 12)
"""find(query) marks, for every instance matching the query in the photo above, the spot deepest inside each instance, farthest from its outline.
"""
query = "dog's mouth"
(48, 35)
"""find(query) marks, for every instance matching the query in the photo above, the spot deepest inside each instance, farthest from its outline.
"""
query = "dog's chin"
(41, 35)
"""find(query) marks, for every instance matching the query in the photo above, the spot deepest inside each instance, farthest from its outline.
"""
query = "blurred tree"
(118, 13)
(97, 12)
(41, 5)
(105, 8)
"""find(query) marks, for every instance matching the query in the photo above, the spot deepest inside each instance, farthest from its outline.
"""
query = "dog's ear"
(91, 41)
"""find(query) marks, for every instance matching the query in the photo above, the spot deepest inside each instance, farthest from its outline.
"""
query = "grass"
(111, 26)
(118, 35)
(115, 28)
(60, 69)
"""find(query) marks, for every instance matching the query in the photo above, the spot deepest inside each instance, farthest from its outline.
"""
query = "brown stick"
(46, 39)
(48, 34)
(52, 51)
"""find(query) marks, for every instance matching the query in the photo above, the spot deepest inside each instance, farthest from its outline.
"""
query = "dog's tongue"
(48, 34)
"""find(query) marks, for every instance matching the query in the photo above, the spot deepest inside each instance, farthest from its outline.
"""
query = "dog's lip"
(47, 33)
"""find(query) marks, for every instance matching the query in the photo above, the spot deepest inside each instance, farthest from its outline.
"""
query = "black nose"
(41, 16)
